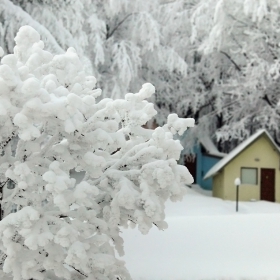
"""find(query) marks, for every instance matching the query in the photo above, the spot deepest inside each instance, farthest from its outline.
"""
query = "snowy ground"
(208, 240)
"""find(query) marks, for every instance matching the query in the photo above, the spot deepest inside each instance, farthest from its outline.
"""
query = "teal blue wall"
(207, 163)
(203, 163)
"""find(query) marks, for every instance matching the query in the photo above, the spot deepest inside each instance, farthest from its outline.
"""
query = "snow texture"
(206, 239)
(52, 127)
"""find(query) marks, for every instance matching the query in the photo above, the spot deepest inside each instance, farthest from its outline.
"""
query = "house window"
(249, 176)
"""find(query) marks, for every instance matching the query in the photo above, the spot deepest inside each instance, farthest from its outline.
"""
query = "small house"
(205, 156)
(256, 161)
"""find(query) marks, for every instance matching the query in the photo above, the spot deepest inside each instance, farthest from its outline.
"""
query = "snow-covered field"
(208, 240)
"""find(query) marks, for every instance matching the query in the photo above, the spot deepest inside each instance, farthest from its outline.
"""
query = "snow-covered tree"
(53, 127)
(125, 44)
(206, 58)
(240, 41)
(124, 41)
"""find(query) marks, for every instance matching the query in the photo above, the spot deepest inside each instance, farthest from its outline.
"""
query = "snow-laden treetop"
(51, 127)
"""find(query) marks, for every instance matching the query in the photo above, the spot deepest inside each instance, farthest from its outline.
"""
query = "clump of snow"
(27, 36)
(179, 125)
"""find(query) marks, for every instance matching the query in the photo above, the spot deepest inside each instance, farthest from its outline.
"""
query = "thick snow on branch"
(51, 128)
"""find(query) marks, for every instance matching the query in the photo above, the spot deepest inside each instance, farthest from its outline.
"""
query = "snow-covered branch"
(64, 224)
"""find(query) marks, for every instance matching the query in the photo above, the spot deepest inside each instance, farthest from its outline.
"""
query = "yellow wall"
(262, 149)
(218, 182)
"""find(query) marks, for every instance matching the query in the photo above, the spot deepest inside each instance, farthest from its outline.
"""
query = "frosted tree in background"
(245, 35)
(214, 60)
(124, 42)
(51, 127)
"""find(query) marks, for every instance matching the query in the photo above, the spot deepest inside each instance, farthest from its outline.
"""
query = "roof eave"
(209, 176)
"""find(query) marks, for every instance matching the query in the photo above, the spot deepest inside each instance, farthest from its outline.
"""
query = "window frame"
(257, 176)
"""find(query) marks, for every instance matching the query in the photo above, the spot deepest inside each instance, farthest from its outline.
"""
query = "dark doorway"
(190, 163)
(268, 184)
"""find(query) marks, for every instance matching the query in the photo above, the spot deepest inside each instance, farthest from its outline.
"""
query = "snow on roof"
(210, 147)
(219, 165)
